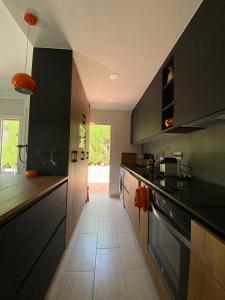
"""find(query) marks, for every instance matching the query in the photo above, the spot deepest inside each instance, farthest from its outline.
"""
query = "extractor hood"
(214, 119)
(211, 120)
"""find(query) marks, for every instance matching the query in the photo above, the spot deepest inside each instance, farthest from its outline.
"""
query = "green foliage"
(99, 145)
(9, 142)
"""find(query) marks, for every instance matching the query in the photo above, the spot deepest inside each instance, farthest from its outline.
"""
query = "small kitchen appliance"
(168, 166)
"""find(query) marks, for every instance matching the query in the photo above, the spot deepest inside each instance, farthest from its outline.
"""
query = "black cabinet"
(199, 64)
(7, 261)
(31, 245)
(35, 227)
(37, 282)
(146, 116)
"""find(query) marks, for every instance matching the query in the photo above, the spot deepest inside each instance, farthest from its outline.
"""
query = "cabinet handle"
(83, 155)
(87, 155)
(74, 156)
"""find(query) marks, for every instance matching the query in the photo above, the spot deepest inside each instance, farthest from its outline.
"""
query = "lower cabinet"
(31, 245)
(207, 265)
(7, 261)
(36, 284)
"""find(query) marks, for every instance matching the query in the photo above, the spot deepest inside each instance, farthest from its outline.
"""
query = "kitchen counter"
(18, 192)
(205, 201)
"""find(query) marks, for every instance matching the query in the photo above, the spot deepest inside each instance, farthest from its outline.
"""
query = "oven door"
(170, 251)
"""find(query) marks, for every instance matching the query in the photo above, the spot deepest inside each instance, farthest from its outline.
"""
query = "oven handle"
(179, 235)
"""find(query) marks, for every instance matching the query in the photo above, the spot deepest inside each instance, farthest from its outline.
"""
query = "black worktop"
(204, 200)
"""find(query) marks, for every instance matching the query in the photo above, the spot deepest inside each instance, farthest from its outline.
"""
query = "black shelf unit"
(168, 94)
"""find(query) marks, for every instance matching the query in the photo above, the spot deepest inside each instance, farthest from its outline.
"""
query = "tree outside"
(10, 137)
(99, 145)
(99, 158)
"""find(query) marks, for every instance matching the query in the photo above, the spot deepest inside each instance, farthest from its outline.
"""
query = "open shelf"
(168, 95)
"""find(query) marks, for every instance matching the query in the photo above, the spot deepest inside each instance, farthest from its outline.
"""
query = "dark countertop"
(18, 192)
(205, 201)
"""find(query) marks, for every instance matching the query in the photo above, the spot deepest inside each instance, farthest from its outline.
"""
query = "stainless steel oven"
(169, 243)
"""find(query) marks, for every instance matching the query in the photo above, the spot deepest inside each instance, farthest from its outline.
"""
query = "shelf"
(168, 84)
(168, 106)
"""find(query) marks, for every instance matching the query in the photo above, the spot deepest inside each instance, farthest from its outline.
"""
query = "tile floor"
(103, 259)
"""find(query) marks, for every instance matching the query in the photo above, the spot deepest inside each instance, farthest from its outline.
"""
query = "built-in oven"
(169, 243)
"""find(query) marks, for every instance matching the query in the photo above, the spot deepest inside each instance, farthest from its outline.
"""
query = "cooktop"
(199, 193)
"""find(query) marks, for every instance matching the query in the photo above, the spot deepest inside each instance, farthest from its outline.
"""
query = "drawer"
(210, 250)
(7, 261)
(35, 227)
(36, 284)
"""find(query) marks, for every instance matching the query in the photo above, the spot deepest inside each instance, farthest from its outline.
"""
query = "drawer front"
(210, 250)
(35, 227)
(39, 279)
(7, 261)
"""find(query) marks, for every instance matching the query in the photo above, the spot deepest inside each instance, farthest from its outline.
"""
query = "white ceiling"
(129, 37)
(12, 52)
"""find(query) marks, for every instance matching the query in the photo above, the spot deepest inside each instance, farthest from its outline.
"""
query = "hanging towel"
(138, 200)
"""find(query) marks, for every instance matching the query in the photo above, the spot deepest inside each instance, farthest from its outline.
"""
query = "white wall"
(120, 140)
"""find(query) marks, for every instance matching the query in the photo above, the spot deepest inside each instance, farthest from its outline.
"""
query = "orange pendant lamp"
(22, 82)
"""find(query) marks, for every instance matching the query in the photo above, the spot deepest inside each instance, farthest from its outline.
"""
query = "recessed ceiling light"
(114, 76)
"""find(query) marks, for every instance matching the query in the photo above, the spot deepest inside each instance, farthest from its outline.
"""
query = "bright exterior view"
(9, 139)
(99, 159)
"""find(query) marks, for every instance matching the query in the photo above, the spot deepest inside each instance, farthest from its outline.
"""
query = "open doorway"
(99, 159)
(10, 135)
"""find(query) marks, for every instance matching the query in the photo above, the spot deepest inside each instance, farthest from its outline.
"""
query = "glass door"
(10, 135)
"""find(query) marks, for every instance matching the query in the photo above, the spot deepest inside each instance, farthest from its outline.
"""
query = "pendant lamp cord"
(28, 33)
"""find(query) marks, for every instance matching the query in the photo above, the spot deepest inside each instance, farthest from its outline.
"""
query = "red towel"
(138, 200)
(141, 198)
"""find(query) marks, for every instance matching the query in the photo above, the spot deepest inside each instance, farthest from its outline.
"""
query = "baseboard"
(114, 195)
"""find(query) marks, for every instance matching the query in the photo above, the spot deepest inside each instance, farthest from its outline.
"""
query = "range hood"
(211, 120)
(207, 121)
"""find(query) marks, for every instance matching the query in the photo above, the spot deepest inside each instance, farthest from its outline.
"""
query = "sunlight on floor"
(103, 260)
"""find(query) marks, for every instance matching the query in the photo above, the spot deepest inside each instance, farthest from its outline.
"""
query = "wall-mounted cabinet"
(190, 83)
(146, 116)
(199, 58)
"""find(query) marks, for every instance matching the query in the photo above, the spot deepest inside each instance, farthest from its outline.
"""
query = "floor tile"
(107, 235)
(110, 281)
(140, 285)
(123, 223)
(132, 255)
(83, 254)
(76, 285)
(88, 224)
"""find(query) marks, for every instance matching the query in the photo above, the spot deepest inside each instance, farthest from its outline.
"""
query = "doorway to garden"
(99, 158)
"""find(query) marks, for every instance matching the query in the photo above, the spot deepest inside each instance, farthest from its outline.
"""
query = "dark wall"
(49, 123)
(203, 150)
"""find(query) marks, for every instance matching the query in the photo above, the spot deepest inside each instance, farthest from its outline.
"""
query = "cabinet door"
(210, 251)
(201, 284)
(7, 261)
(199, 62)
(134, 210)
(34, 228)
(146, 116)
(36, 284)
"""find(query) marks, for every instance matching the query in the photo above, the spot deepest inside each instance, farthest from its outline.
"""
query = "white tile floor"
(103, 260)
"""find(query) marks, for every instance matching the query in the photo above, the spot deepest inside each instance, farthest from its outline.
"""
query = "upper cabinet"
(146, 116)
(199, 64)
(190, 84)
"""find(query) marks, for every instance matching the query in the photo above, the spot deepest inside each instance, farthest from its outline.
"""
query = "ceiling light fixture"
(114, 76)
(22, 82)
